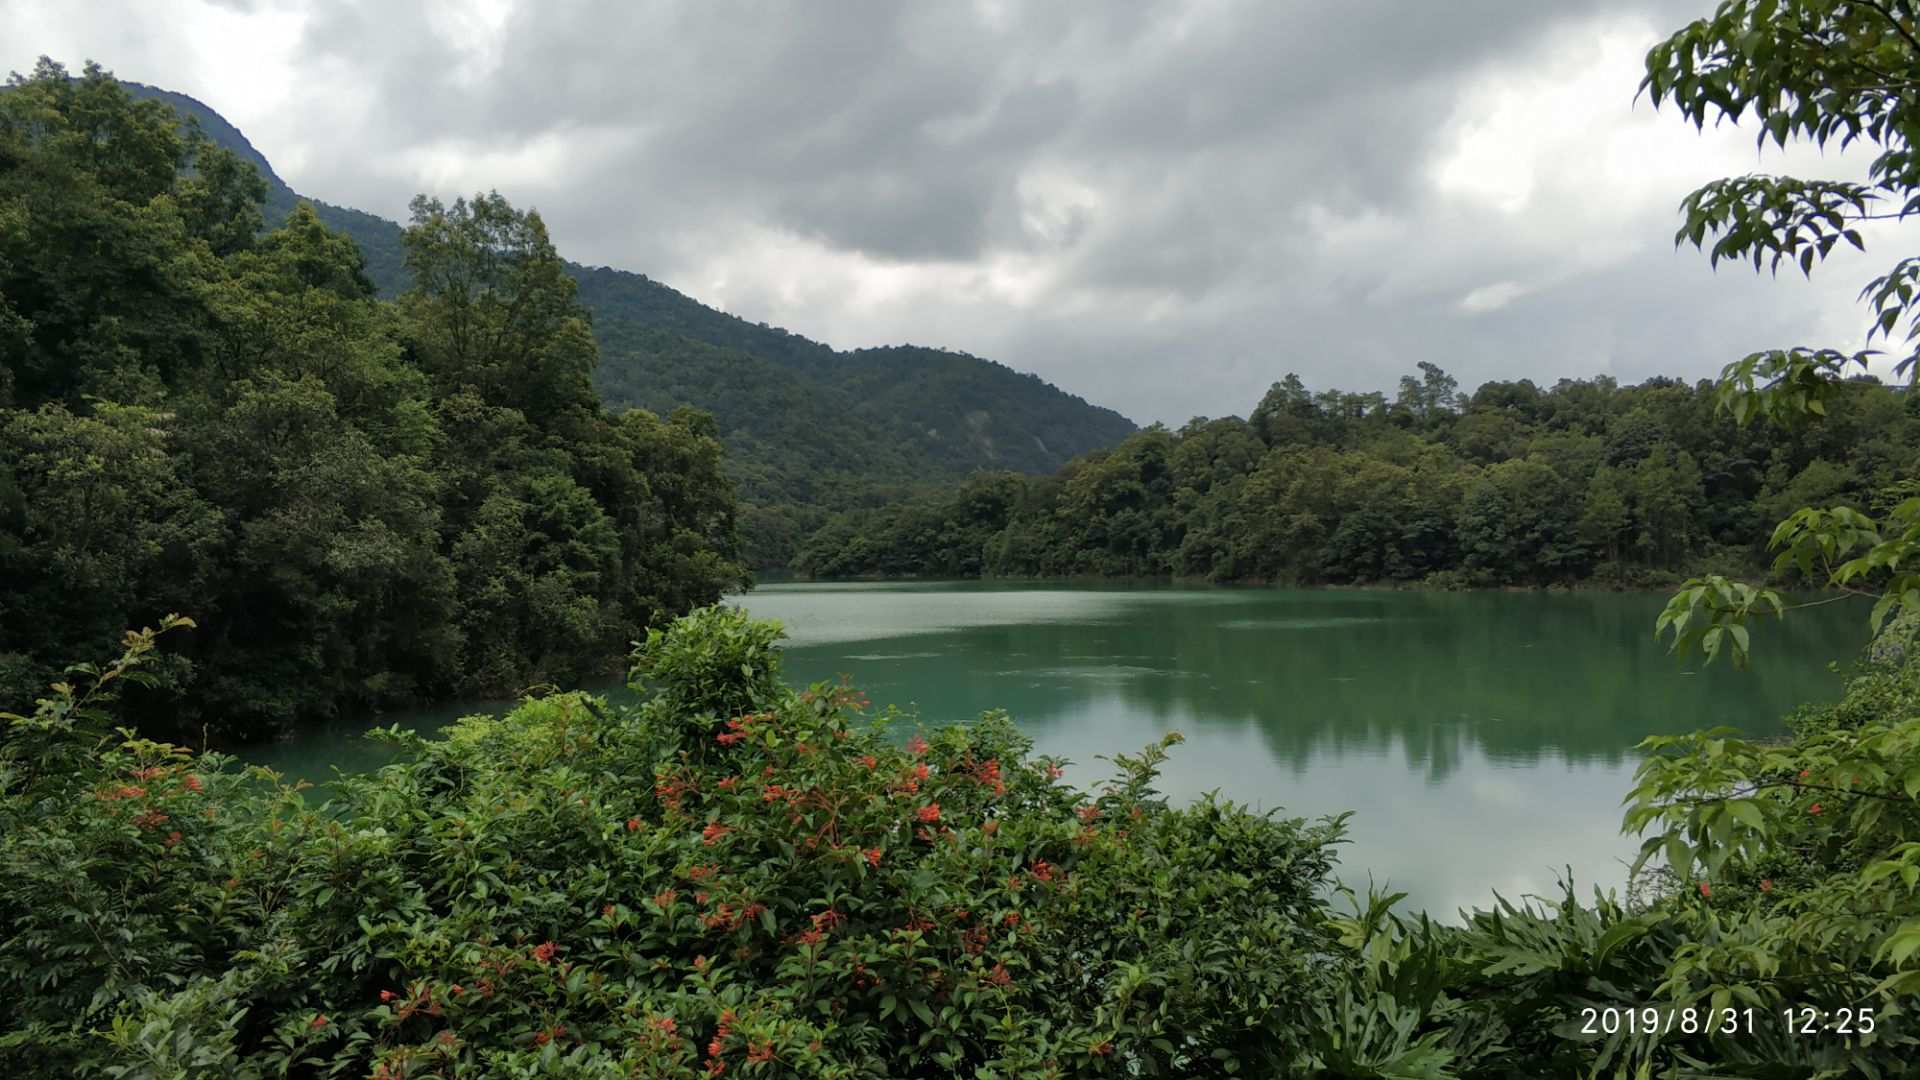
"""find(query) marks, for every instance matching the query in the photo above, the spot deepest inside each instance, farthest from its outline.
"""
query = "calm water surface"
(1483, 740)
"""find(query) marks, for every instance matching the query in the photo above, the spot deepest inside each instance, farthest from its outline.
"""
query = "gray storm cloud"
(1161, 207)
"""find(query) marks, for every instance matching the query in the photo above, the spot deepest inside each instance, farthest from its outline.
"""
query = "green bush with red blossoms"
(732, 878)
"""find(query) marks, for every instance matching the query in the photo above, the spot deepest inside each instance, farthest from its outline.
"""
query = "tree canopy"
(362, 503)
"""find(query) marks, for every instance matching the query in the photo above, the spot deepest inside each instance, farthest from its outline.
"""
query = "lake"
(1483, 740)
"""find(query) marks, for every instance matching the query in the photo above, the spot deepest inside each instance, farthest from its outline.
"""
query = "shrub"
(581, 890)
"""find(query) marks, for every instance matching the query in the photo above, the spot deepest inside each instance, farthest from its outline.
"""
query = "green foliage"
(1584, 481)
(579, 890)
(808, 430)
(362, 503)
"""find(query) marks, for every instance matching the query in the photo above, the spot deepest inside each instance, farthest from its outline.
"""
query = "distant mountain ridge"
(809, 428)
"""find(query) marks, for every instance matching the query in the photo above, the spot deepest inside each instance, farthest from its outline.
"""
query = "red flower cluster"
(988, 774)
(873, 856)
(544, 951)
(729, 783)
(929, 813)
(1000, 976)
(194, 785)
(916, 745)
(1042, 870)
(633, 824)
(761, 1053)
(670, 790)
(713, 832)
(664, 898)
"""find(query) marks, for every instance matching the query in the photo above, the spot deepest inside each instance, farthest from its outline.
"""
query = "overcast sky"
(1162, 207)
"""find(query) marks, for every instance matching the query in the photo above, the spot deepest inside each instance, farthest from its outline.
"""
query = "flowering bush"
(732, 877)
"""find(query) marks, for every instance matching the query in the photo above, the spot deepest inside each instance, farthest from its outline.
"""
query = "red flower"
(633, 824)
(870, 761)
(387, 995)
(873, 856)
(713, 832)
(1042, 869)
(544, 951)
(761, 1053)
(1814, 809)
(319, 1020)
(728, 738)
(1053, 772)
(990, 826)
(1804, 773)
(664, 898)
(1011, 919)
(1706, 889)
(194, 785)
(700, 963)
(457, 989)
(715, 1048)
(729, 783)
(1766, 884)
(916, 745)
(664, 1024)
(929, 813)
(920, 771)
(1000, 976)
(607, 911)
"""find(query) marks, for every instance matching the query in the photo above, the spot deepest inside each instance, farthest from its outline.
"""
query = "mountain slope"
(808, 428)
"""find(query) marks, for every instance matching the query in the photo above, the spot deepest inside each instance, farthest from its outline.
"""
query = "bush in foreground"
(731, 878)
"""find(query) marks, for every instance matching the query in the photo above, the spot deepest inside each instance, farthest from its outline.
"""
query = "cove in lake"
(1483, 740)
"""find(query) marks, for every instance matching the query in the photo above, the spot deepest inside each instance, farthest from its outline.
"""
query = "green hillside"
(809, 429)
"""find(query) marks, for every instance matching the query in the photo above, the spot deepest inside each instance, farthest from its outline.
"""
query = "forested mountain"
(1512, 485)
(808, 428)
(360, 502)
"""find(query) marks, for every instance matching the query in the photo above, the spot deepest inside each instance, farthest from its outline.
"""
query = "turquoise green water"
(1483, 740)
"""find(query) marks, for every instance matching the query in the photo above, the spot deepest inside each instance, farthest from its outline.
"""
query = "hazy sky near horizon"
(1161, 207)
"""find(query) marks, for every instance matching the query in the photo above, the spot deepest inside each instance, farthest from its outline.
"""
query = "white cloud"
(1492, 297)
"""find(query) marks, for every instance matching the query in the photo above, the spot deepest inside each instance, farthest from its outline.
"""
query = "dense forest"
(1586, 481)
(361, 502)
(808, 429)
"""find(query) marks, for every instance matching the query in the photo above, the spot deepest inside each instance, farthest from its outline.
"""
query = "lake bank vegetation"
(1585, 483)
